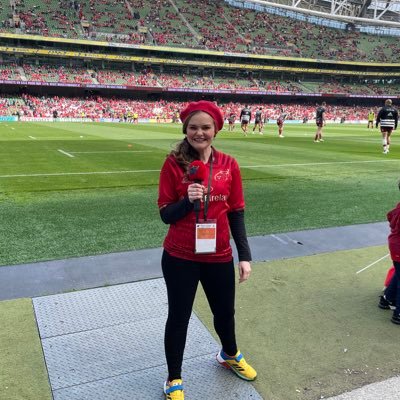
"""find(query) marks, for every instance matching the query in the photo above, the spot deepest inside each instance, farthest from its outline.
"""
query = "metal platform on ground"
(107, 344)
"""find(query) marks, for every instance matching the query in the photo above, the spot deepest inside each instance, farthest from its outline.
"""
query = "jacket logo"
(222, 175)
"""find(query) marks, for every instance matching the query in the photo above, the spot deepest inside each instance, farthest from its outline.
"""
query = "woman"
(197, 247)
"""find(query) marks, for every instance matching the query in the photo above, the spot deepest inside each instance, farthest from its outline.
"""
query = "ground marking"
(370, 265)
(320, 163)
(279, 239)
(32, 137)
(157, 170)
(111, 151)
(80, 173)
(64, 152)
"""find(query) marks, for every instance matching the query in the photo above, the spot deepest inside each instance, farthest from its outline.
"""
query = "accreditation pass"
(206, 237)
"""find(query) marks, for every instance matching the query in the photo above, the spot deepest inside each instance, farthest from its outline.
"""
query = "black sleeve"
(176, 211)
(378, 118)
(238, 230)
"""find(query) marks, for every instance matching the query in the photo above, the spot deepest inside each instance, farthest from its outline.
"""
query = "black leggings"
(182, 277)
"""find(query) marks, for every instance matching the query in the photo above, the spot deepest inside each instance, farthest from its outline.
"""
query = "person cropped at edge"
(222, 201)
(391, 295)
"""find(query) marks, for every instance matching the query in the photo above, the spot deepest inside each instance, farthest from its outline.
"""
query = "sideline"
(58, 276)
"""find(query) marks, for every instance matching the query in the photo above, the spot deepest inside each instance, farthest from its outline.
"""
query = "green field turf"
(23, 374)
(311, 326)
(72, 189)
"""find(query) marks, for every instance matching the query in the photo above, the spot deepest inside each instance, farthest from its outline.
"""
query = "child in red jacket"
(389, 298)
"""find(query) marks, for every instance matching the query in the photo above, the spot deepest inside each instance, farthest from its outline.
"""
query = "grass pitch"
(73, 189)
(311, 326)
(23, 374)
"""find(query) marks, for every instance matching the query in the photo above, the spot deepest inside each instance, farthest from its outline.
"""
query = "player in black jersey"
(387, 118)
(231, 121)
(245, 117)
(280, 121)
(258, 121)
(320, 121)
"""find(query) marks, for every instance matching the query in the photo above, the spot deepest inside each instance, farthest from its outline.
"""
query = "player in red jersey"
(199, 251)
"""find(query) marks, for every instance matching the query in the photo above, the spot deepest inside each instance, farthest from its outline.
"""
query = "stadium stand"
(179, 23)
(178, 78)
(105, 59)
(98, 107)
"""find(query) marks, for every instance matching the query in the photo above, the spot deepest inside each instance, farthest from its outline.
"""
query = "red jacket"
(393, 217)
(226, 196)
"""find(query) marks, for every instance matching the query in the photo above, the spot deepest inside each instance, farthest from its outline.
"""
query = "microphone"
(197, 173)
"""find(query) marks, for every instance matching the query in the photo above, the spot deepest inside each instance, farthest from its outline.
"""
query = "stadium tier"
(98, 107)
(179, 23)
(126, 51)
(180, 79)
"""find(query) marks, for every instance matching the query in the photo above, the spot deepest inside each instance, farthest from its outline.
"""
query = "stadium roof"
(361, 11)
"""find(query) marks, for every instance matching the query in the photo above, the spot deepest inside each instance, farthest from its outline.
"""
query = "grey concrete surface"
(51, 277)
(107, 344)
(385, 390)
(59, 325)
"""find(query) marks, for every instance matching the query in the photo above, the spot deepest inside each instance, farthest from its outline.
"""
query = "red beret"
(207, 107)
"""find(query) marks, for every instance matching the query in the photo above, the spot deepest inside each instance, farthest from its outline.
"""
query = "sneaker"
(321, 140)
(281, 136)
(385, 304)
(316, 141)
(396, 319)
(174, 390)
(238, 365)
(385, 151)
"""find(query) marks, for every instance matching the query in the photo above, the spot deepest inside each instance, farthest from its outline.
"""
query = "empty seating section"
(214, 30)
(48, 17)
(108, 16)
(5, 15)
(164, 24)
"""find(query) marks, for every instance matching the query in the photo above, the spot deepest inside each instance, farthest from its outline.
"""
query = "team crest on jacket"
(222, 175)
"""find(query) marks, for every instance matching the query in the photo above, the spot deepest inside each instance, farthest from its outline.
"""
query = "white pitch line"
(32, 137)
(278, 239)
(80, 173)
(321, 163)
(157, 170)
(116, 151)
(370, 265)
(67, 154)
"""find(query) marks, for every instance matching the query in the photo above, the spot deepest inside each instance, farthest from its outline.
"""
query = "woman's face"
(200, 131)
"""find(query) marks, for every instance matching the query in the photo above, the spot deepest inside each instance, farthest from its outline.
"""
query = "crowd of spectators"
(228, 29)
(97, 107)
(148, 77)
(46, 73)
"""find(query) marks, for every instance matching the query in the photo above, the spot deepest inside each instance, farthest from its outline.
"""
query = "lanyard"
(206, 198)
